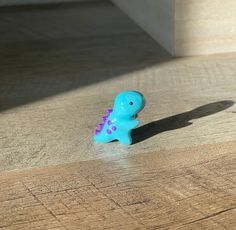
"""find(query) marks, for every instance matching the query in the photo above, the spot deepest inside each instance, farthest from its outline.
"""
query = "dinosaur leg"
(125, 138)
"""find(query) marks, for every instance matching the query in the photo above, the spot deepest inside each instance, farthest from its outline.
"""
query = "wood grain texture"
(193, 188)
(61, 69)
(187, 27)
(205, 27)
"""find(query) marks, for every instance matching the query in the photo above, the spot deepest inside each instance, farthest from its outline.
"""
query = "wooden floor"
(193, 188)
(61, 66)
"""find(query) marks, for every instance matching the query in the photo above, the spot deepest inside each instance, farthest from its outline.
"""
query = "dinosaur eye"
(131, 103)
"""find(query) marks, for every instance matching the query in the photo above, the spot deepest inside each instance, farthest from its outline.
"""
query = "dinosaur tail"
(104, 138)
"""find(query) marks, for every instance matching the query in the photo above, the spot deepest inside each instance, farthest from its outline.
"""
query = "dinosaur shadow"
(178, 121)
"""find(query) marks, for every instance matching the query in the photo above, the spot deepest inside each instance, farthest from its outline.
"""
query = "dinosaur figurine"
(120, 120)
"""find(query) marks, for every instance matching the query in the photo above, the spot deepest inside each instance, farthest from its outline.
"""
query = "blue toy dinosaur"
(120, 120)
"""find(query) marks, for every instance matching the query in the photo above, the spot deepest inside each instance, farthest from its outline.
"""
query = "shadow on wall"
(178, 121)
(46, 50)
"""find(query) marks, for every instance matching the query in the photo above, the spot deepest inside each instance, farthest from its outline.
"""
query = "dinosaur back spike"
(109, 111)
(100, 126)
(97, 132)
(104, 118)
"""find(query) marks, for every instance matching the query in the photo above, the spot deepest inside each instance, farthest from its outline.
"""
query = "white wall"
(156, 17)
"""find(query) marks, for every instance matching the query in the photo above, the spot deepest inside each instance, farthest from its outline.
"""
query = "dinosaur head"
(129, 103)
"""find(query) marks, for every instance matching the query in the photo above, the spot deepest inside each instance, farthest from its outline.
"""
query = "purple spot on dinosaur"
(109, 122)
(108, 131)
(114, 128)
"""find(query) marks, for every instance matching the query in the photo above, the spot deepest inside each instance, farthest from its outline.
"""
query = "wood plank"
(192, 188)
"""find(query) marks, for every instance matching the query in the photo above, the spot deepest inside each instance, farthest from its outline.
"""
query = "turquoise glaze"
(120, 120)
